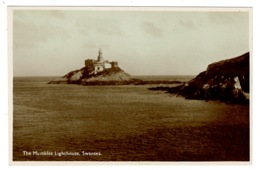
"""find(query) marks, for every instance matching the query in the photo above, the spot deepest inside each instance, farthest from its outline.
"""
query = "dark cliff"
(227, 80)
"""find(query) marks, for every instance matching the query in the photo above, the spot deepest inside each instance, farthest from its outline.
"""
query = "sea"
(60, 122)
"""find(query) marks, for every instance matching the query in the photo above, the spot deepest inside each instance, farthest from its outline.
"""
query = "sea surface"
(123, 123)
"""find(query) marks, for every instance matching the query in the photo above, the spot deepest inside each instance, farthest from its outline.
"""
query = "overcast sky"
(54, 42)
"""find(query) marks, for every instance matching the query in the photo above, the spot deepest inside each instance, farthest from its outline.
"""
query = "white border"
(10, 53)
(4, 152)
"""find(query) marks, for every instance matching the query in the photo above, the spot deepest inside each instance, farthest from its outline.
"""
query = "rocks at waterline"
(111, 76)
(227, 80)
(85, 76)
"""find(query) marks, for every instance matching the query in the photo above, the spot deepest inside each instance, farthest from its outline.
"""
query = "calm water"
(123, 123)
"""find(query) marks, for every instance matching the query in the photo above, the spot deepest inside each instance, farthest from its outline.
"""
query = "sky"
(54, 42)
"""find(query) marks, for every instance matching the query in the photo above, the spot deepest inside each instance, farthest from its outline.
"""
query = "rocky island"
(227, 80)
(103, 72)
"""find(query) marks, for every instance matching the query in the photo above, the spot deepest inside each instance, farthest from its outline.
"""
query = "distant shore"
(132, 82)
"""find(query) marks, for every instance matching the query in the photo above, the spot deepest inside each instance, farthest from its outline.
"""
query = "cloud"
(151, 29)
(28, 34)
(62, 40)
(104, 26)
(57, 14)
(187, 23)
(221, 18)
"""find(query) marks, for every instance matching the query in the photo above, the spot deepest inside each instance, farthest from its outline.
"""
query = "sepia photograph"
(130, 84)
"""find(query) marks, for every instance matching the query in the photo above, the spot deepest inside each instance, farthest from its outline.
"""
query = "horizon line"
(131, 75)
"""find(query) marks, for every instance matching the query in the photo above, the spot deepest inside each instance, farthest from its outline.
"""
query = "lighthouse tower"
(100, 56)
(99, 64)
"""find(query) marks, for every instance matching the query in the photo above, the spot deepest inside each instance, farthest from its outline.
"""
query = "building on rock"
(99, 64)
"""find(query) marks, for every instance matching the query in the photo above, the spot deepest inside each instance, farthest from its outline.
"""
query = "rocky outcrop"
(96, 73)
(110, 76)
(86, 75)
(226, 80)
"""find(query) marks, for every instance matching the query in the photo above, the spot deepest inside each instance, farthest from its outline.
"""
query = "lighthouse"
(100, 56)
(99, 64)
